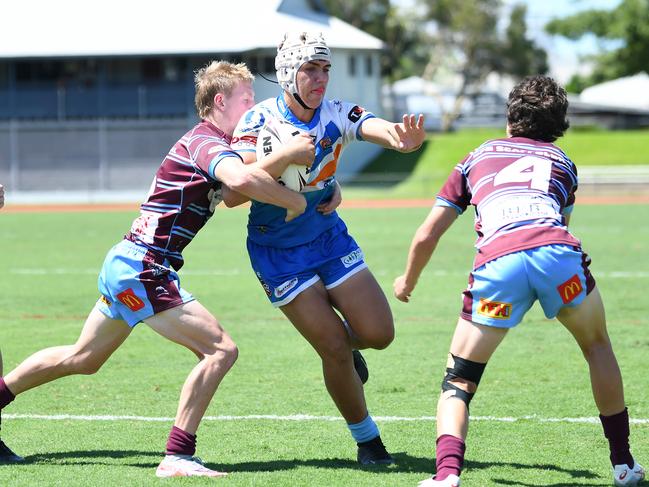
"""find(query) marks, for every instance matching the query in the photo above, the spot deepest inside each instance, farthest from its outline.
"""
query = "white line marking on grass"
(597, 274)
(66, 271)
(306, 417)
(236, 272)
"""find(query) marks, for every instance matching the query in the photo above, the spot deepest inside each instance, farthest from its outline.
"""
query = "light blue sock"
(366, 430)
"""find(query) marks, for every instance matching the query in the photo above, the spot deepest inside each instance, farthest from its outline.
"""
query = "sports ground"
(272, 422)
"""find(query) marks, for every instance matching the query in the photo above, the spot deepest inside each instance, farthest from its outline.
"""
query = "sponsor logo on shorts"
(285, 287)
(494, 309)
(106, 301)
(351, 259)
(266, 287)
(570, 289)
(129, 299)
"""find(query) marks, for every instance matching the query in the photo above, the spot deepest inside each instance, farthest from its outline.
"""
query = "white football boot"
(185, 466)
(624, 475)
(450, 481)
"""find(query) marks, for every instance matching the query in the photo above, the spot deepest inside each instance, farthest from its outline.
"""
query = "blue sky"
(563, 54)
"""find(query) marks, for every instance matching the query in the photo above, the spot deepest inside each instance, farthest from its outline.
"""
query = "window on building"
(4, 76)
(268, 64)
(152, 69)
(123, 71)
(252, 63)
(369, 65)
(351, 65)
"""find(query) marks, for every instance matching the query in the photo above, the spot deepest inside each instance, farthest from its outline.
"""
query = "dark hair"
(536, 109)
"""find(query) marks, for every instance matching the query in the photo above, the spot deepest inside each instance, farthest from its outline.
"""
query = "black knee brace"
(462, 369)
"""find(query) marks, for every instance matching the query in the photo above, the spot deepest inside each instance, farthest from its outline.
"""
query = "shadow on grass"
(404, 464)
(579, 477)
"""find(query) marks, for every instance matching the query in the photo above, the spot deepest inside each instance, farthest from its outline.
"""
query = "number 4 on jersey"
(536, 170)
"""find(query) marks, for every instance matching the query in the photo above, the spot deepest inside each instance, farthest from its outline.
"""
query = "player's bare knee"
(335, 351)
(222, 354)
(597, 349)
(381, 340)
(83, 364)
(462, 379)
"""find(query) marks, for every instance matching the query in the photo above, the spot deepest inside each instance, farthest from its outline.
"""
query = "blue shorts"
(285, 272)
(504, 289)
(136, 284)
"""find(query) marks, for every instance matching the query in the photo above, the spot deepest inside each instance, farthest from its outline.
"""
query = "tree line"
(467, 39)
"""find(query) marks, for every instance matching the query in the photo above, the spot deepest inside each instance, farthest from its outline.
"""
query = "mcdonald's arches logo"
(129, 299)
(494, 309)
(570, 289)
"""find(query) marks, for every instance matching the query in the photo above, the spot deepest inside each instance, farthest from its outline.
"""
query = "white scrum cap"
(296, 49)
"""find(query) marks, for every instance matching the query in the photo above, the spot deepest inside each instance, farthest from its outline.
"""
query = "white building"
(102, 89)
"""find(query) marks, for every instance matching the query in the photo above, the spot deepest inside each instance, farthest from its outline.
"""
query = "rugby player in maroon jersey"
(139, 280)
(523, 190)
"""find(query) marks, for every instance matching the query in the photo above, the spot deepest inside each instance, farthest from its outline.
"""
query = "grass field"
(522, 433)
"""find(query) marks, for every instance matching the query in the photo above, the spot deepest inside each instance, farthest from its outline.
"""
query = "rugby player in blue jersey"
(311, 268)
(523, 190)
(139, 280)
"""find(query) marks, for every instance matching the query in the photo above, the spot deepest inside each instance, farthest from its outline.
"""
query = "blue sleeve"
(442, 202)
(220, 156)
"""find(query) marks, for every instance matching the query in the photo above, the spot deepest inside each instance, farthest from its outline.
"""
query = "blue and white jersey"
(334, 125)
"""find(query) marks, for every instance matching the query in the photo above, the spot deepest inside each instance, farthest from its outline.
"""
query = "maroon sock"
(181, 443)
(616, 431)
(6, 396)
(450, 456)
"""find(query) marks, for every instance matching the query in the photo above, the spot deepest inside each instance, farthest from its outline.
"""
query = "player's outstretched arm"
(404, 137)
(257, 184)
(422, 247)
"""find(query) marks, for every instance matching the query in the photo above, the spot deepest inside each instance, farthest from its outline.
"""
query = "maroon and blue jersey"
(183, 194)
(521, 189)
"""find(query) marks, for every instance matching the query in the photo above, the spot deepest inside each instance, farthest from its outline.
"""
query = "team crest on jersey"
(355, 113)
(285, 287)
(253, 120)
(130, 300)
(325, 143)
(351, 259)
(495, 309)
(570, 289)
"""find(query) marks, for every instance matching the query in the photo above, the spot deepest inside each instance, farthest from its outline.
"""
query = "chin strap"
(301, 102)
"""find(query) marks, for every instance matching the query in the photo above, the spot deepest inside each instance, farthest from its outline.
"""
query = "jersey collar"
(286, 112)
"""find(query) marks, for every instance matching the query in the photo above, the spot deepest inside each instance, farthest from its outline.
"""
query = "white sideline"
(236, 272)
(306, 417)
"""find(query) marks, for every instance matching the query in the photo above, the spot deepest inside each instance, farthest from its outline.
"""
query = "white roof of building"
(64, 28)
(628, 92)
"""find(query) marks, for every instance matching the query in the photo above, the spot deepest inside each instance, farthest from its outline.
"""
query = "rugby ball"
(271, 137)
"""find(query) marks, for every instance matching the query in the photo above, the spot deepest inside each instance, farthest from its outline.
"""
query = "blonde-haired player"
(139, 280)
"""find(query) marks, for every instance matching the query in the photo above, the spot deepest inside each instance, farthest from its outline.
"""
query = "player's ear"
(219, 101)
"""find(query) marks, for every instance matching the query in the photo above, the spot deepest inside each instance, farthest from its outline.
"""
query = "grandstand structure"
(92, 97)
